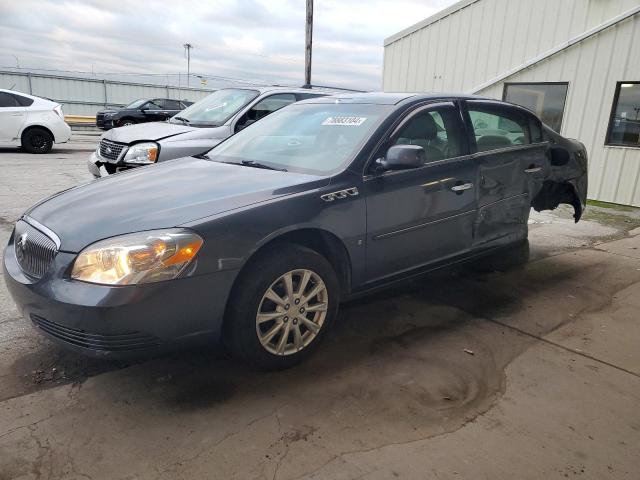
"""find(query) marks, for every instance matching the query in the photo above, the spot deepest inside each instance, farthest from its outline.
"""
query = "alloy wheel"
(38, 141)
(292, 312)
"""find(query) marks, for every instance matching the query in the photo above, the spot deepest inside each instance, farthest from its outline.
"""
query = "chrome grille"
(110, 150)
(35, 251)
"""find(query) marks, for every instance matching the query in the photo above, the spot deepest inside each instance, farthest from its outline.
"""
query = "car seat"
(423, 131)
(492, 142)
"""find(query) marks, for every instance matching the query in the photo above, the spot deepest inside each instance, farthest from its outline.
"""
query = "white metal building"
(575, 62)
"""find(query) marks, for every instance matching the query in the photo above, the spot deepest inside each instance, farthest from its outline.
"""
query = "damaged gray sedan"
(257, 242)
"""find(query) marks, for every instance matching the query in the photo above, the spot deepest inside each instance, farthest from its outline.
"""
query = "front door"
(419, 216)
(155, 111)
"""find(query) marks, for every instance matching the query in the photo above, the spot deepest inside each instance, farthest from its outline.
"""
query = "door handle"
(532, 169)
(462, 188)
(17, 114)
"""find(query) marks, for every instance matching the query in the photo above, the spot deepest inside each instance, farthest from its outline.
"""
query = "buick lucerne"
(258, 241)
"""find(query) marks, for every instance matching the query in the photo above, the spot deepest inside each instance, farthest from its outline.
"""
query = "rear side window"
(437, 131)
(306, 96)
(496, 128)
(157, 104)
(535, 129)
(8, 100)
(23, 101)
(172, 105)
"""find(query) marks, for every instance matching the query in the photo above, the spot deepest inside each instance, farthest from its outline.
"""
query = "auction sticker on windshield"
(351, 121)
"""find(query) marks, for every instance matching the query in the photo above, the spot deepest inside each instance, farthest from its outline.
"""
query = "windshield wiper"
(251, 163)
(182, 119)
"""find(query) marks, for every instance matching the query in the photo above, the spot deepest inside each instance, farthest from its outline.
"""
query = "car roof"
(281, 89)
(391, 98)
(32, 97)
(15, 92)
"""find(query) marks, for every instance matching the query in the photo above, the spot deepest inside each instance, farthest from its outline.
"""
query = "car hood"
(146, 131)
(161, 196)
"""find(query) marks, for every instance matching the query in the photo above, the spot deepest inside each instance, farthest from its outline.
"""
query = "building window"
(545, 99)
(624, 125)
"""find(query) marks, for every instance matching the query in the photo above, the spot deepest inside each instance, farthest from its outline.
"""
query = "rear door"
(419, 216)
(512, 163)
(172, 107)
(12, 117)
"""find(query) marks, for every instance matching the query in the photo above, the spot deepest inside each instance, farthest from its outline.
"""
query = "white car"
(32, 123)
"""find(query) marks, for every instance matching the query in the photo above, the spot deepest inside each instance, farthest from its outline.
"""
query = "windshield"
(216, 108)
(136, 103)
(311, 138)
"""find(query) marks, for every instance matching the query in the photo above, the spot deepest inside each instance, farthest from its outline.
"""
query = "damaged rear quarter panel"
(567, 181)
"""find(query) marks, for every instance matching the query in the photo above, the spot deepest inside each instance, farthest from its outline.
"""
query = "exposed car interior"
(433, 131)
(496, 131)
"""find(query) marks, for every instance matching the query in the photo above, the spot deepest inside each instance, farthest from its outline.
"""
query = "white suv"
(32, 123)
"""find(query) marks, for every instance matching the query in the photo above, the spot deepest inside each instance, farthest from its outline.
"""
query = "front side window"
(270, 105)
(217, 108)
(547, 100)
(156, 104)
(496, 128)
(137, 103)
(311, 138)
(624, 126)
(437, 131)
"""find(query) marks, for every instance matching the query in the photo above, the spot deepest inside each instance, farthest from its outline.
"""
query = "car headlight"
(143, 257)
(142, 153)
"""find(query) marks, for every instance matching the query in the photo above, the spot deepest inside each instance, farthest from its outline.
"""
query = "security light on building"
(576, 63)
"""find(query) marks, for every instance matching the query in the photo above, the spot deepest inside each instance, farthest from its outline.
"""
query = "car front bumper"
(123, 321)
(100, 167)
(104, 123)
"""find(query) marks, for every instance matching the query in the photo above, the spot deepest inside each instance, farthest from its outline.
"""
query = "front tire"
(126, 122)
(281, 307)
(37, 140)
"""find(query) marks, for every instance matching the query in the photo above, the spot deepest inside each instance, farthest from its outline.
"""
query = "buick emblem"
(22, 241)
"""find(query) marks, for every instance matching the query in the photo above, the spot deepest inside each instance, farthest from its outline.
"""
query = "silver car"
(193, 131)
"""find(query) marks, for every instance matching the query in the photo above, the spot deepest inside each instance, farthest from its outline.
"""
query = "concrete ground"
(492, 371)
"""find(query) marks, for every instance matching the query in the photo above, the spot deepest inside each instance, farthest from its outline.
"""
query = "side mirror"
(402, 157)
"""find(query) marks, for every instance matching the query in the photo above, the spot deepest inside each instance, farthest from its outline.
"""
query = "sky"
(251, 40)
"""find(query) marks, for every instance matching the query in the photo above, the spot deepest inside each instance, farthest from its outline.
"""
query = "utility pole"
(309, 40)
(187, 49)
